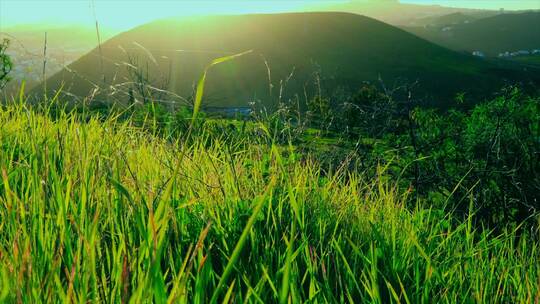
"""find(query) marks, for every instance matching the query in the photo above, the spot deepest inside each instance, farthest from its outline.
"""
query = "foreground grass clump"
(92, 212)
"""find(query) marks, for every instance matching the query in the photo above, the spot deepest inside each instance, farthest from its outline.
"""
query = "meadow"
(100, 208)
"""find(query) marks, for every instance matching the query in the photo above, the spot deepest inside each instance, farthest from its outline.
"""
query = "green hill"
(345, 49)
(450, 19)
(492, 35)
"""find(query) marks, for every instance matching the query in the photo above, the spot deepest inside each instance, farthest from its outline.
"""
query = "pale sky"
(125, 14)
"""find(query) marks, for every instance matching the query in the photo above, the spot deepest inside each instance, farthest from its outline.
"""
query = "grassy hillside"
(92, 209)
(493, 35)
(344, 49)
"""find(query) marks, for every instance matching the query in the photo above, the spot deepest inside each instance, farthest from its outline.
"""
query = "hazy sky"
(124, 14)
(128, 13)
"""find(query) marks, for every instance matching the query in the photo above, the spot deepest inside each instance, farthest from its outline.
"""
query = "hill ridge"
(345, 48)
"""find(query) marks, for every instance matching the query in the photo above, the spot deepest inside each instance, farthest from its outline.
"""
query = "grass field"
(102, 210)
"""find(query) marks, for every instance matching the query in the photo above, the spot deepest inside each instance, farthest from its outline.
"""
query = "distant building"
(478, 54)
(519, 53)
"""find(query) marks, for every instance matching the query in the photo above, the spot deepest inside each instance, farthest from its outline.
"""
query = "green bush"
(491, 153)
(5, 64)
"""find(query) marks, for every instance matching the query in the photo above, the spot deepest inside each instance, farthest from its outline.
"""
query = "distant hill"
(65, 44)
(460, 17)
(450, 19)
(396, 13)
(346, 49)
(492, 35)
(58, 36)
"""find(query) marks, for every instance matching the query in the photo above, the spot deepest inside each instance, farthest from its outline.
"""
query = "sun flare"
(117, 15)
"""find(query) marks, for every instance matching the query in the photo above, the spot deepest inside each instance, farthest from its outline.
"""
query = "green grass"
(91, 212)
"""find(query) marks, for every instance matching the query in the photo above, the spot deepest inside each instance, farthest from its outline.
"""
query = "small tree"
(369, 111)
(5, 64)
(320, 111)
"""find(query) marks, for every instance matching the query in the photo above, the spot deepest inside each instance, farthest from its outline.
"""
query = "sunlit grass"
(84, 216)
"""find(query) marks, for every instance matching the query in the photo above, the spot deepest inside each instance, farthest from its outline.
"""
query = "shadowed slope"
(493, 35)
(346, 49)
